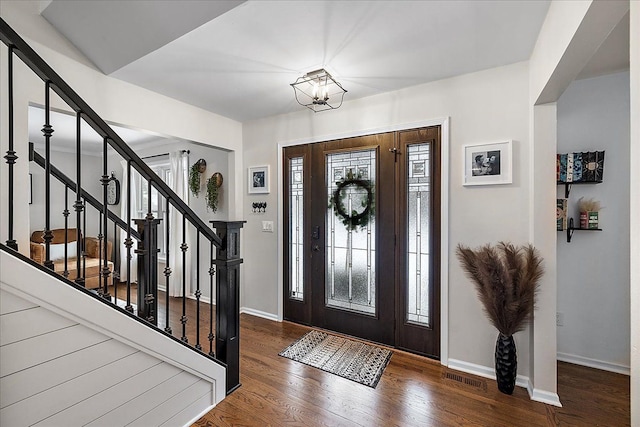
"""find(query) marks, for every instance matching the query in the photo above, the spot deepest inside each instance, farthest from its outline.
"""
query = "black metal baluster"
(128, 241)
(78, 204)
(11, 154)
(184, 248)
(167, 273)
(100, 236)
(65, 213)
(105, 293)
(47, 131)
(198, 293)
(149, 214)
(116, 274)
(211, 272)
(104, 264)
(148, 280)
(84, 242)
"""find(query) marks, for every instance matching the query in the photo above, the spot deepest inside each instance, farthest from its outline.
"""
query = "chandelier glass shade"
(318, 91)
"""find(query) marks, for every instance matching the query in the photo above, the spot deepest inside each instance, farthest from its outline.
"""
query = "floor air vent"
(465, 380)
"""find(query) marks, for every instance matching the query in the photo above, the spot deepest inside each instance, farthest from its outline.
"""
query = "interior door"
(373, 276)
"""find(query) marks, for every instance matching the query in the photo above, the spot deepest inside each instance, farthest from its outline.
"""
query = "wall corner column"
(542, 234)
(634, 291)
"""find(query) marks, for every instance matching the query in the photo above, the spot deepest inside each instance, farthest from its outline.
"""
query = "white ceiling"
(240, 63)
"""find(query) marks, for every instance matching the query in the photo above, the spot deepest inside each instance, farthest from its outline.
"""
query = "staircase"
(72, 354)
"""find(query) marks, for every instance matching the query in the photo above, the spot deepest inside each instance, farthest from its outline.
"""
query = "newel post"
(147, 252)
(228, 299)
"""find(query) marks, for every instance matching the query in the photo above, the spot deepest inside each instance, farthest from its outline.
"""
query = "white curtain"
(135, 184)
(179, 163)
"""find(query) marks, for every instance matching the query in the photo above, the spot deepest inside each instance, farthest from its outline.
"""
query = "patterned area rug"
(353, 360)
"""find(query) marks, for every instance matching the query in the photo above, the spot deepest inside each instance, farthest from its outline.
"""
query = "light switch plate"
(559, 319)
(267, 226)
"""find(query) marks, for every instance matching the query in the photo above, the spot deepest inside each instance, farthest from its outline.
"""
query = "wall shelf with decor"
(571, 229)
(568, 185)
(578, 168)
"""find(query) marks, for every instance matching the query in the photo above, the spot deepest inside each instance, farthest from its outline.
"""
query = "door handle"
(316, 248)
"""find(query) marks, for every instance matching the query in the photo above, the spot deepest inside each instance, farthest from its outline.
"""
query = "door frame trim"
(443, 122)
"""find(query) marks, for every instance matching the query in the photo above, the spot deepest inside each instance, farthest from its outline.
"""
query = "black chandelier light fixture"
(318, 91)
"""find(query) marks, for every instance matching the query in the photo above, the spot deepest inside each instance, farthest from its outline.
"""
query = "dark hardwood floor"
(413, 391)
(175, 313)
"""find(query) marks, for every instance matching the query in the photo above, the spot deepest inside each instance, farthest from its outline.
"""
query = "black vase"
(506, 363)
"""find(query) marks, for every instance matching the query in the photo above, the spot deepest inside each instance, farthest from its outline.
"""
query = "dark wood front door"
(360, 251)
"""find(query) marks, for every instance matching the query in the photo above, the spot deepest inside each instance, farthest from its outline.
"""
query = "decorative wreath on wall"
(355, 219)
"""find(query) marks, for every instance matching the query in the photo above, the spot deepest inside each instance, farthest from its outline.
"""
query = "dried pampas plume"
(589, 205)
(507, 281)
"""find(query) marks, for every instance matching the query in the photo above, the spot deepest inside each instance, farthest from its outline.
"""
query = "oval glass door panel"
(351, 231)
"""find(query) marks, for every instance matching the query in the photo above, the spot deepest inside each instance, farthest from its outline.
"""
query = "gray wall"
(485, 107)
(593, 270)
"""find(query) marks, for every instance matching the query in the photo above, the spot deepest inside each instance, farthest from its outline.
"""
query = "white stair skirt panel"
(68, 359)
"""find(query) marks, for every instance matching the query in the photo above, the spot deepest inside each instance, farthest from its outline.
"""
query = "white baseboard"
(483, 371)
(202, 299)
(200, 415)
(543, 396)
(594, 363)
(521, 381)
(258, 313)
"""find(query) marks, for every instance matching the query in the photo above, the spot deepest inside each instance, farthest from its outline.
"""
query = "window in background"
(158, 203)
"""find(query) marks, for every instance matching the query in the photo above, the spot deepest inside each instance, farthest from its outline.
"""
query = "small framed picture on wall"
(258, 180)
(487, 164)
